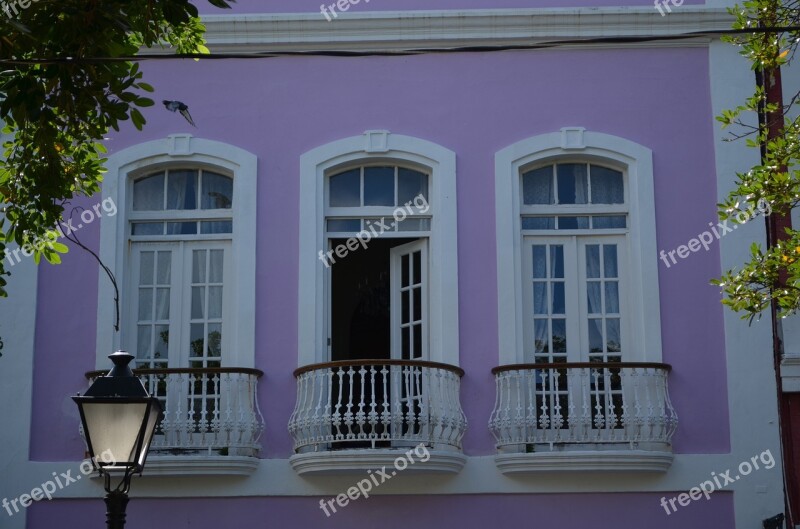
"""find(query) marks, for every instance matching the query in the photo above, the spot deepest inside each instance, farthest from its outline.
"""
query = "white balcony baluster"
(377, 404)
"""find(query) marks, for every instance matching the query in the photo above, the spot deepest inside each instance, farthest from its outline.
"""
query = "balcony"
(211, 423)
(357, 415)
(583, 417)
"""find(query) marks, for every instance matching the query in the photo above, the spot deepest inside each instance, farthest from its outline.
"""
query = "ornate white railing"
(582, 403)
(206, 410)
(377, 404)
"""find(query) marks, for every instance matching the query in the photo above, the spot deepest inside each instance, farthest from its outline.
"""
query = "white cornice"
(391, 30)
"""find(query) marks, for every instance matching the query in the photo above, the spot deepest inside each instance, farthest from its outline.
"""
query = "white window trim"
(181, 150)
(379, 145)
(643, 286)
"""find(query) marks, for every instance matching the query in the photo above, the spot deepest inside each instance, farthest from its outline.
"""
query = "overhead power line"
(270, 54)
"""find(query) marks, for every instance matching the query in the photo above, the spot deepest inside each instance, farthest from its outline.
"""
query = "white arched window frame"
(180, 151)
(379, 146)
(571, 144)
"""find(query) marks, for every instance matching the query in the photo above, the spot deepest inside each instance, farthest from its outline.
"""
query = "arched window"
(576, 257)
(378, 259)
(183, 251)
(180, 286)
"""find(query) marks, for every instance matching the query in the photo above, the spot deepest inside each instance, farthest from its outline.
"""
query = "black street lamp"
(119, 418)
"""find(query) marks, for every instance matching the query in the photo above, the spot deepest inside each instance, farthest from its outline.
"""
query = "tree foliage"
(772, 273)
(60, 95)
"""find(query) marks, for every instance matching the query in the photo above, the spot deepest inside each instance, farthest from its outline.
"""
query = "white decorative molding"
(572, 138)
(359, 461)
(377, 141)
(175, 466)
(393, 30)
(180, 144)
(588, 461)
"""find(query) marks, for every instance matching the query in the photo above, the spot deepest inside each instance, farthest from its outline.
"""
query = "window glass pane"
(593, 297)
(215, 266)
(344, 225)
(410, 224)
(537, 186)
(345, 189)
(379, 186)
(607, 187)
(572, 183)
(538, 223)
(540, 298)
(539, 261)
(198, 303)
(417, 341)
(216, 226)
(146, 261)
(216, 191)
(144, 347)
(595, 335)
(558, 297)
(161, 342)
(610, 260)
(214, 302)
(609, 221)
(196, 341)
(559, 336)
(592, 260)
(145, 304)
(214, 339)
(417, 316)
(612, 297)
(147, 228)
(199, 266)
(148, 193)
(405, 307)
(573, 223)
(410, 185)
(164, 267)
(613, 341)
(380, 225)
(162, 304)
(181, 228)
(417, 267)
(557, 261)
(182, 190)
(541, 342)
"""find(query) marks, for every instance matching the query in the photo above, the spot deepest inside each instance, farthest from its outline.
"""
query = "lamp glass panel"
(152, 420)
(113, 428)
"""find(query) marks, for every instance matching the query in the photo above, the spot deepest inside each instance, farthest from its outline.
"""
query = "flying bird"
(173, 106)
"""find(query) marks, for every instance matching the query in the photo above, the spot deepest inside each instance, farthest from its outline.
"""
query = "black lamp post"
(119, 418)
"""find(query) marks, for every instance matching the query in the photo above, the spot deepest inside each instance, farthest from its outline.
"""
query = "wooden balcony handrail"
(581, 365)
(182, 370)
(385, 362)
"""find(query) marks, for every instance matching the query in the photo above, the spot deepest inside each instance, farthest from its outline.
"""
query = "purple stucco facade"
(474, 104)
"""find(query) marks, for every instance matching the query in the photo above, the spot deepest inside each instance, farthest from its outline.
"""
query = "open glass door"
(409, 313)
